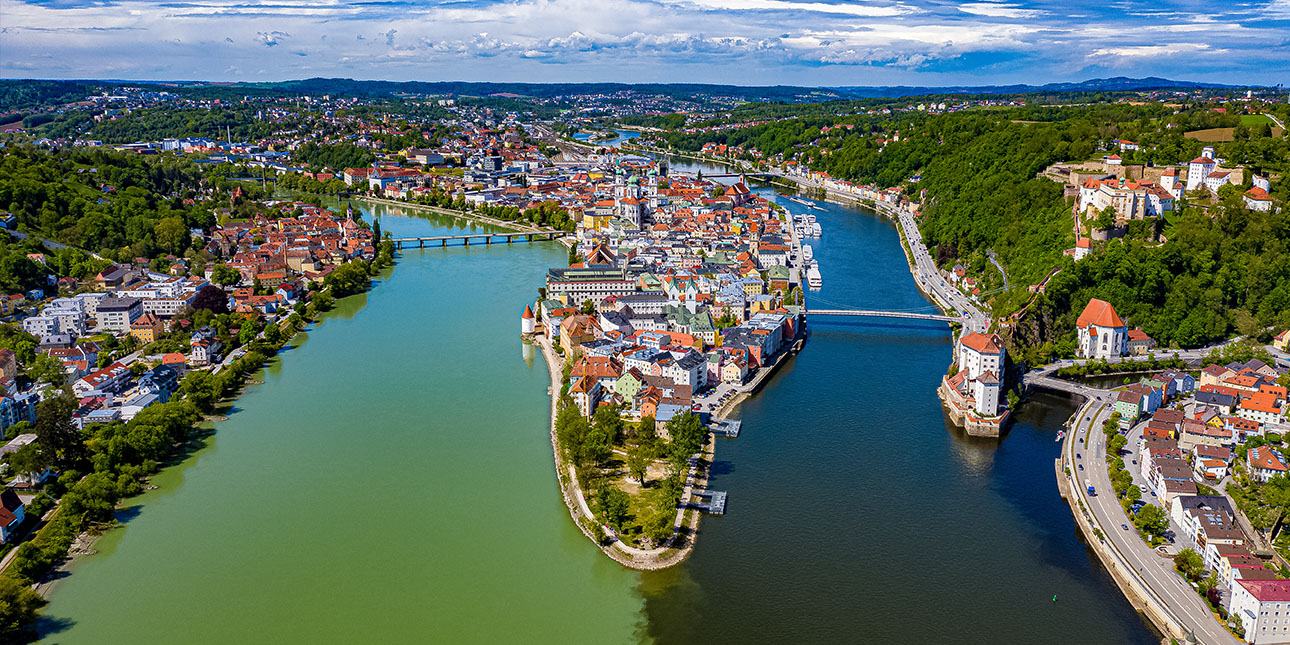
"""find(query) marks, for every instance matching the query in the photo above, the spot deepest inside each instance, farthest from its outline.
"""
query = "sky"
(738, 42)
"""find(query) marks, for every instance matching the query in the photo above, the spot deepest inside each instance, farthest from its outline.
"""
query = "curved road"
(1086, 445)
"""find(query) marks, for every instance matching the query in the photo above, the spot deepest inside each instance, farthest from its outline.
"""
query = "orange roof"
(983, 343)
(1100, 313)
(1262, 402)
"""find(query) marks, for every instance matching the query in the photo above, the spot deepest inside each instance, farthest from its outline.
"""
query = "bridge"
(759, 175)
(477, 238)
(870, 313)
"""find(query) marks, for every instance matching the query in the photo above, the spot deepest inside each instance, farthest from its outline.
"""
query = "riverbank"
(685, 528)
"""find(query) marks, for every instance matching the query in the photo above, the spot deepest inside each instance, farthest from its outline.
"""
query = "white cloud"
(996, 10)
(1147, 51)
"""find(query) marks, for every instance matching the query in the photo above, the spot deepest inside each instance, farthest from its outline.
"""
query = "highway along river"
(391, 481)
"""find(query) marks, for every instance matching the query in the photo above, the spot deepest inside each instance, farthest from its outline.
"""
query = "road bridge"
(477, 238)
(873, 313)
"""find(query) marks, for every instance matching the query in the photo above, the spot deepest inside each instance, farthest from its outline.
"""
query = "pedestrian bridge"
(476, 238)
(873, 313)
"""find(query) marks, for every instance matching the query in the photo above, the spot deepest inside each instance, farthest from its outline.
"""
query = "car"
(1081, 466)
(1077, 455)
(1135, 462)
(1124, 526)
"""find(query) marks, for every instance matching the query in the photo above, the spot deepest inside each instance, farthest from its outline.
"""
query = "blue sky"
(745, 42)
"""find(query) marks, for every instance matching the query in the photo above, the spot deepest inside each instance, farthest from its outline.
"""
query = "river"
(623, 136)
(391, 480)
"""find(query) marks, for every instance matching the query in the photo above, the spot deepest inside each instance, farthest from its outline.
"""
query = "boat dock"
(714, 501)
(726, 427)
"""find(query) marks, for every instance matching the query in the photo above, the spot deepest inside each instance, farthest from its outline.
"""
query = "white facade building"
(1102, 333)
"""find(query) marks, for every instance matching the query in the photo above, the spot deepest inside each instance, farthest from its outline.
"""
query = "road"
(929, 278)
(1087, 446)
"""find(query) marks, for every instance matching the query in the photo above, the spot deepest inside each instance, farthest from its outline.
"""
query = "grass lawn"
(1251, 120)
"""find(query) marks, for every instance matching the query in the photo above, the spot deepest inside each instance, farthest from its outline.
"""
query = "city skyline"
(738, 42)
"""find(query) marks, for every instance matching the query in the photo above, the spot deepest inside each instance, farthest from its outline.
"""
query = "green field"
(1251, 120)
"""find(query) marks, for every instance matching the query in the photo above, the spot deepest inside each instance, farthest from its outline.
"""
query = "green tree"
(225, 275)
(614, 506)
(1152, 519)
(19, 605)
(638, 460)
(47, 369)
(1116, 444)
(203, 389)
(172, 235)
(27, 460)
(609, 421)
(647, 436)
(688, 434)
(58, 437)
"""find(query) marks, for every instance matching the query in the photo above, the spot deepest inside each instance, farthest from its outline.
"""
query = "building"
(528, 323)
(146, 329)
(1197, 170)
(980, 353)
(1257, 199)
(1139, 342)
(1264, 463)
(1262, 607)
(118, 314)
(1102, 334)
(8, 365)
(11, 514)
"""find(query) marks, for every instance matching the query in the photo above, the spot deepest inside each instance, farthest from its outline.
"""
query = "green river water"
(390, 481)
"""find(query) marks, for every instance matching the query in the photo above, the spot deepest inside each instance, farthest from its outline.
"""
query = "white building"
(980, 353)
(1218, 179)
(1263, 607)
(116, 314)
(1101, 332)
(1257, 199)
(985, 390)
(981, 361)
(1197, 170)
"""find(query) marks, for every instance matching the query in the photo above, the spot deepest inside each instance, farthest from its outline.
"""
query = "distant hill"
(28, 94)
(1116, 84)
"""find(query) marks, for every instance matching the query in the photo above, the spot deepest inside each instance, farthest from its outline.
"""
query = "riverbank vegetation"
(1101, 366)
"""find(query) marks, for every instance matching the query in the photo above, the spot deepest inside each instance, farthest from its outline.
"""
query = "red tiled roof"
(1100, 313)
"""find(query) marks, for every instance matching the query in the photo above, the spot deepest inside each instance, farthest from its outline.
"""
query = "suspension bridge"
(840, 309)
(874, 313)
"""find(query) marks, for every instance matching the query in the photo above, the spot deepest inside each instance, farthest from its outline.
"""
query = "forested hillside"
(1218, 273)
(120, 205)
